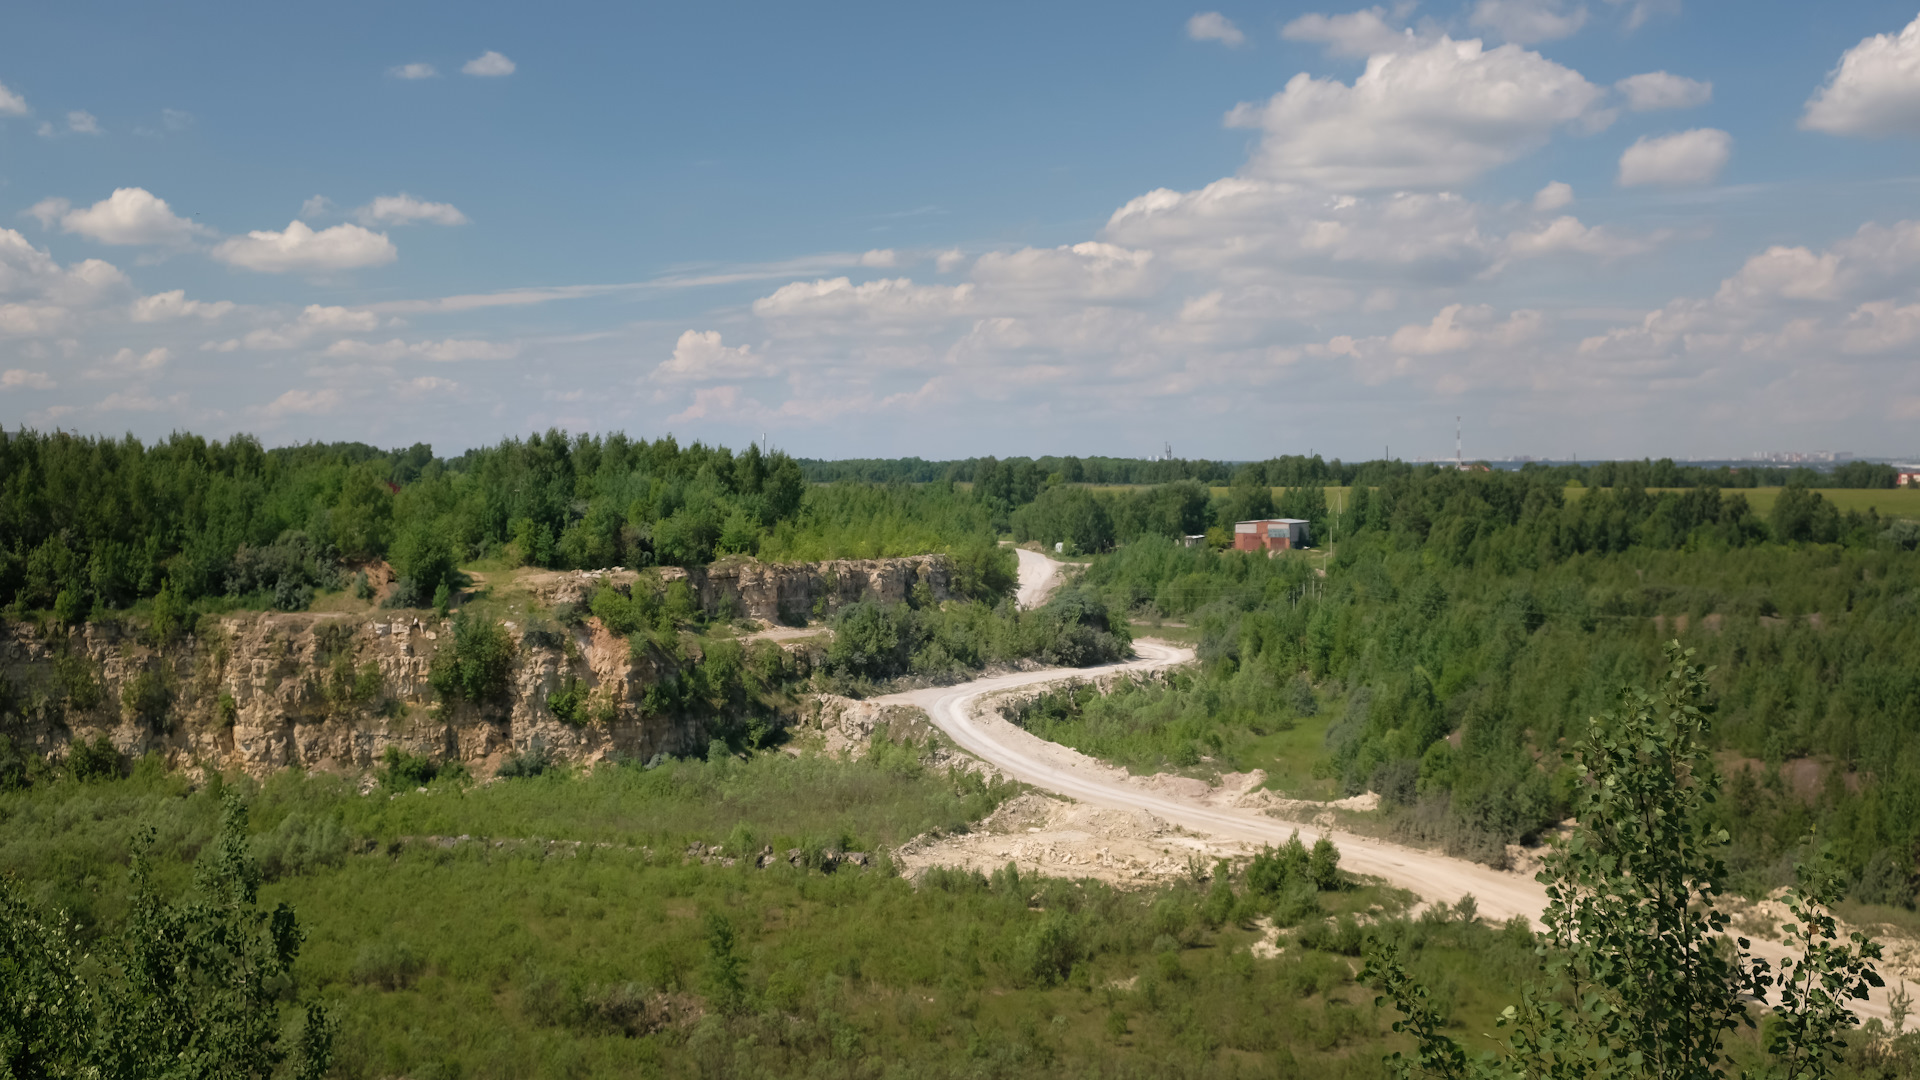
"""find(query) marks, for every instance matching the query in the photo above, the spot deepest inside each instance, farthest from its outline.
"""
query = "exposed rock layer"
(773, 592)
(259, 691)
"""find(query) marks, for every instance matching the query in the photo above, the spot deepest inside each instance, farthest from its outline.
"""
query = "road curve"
(956, 710)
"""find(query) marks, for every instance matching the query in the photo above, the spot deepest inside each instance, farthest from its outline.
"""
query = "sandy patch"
(1042, 834)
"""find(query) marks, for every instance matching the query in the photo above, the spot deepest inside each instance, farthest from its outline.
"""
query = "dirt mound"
(1041, 834)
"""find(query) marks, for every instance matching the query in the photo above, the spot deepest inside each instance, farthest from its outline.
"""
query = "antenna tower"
(1456, 444)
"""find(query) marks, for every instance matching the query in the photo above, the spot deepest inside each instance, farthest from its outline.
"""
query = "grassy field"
(512, 951)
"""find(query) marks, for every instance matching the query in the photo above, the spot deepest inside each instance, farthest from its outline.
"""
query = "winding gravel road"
(979, 729)
(957, 711)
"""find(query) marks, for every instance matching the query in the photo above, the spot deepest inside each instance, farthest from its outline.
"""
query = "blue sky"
(1610, 227)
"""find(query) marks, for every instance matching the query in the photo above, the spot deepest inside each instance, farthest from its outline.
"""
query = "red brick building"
(1270, 534)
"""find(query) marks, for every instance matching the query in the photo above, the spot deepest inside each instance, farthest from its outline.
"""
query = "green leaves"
(479, 664)
(1633, 938)
(191, 988)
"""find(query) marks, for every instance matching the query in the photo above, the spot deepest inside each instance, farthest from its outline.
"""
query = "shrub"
(301, 844)
(400, 770)
(526, 764)
(479, 665)
(423, 560)
(14, 766)
(389, 965)
(96, 760)
(75, 676)
(1220, 901)
(1272, 870)
(953, 879)
(172, 615)
(725, 982)
(147, 696)
(1300, 696)
(569, 703)
(1051, 948)
(1323, 866)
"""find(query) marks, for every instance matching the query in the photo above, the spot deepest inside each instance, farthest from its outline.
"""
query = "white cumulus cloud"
(303, 402)
(1462, 325)
(1782, 273)
(700, 356)
(1680, 159)
(1091, 271)
(33, 320)
(1881, 326)
(129, 364)
(1566, 235)
(21, 378)
(315, 320)
(1439, 116)
(300, 248)
(1356, 34)
(130, 216)
(413, 71)
(82, 122)
(45, 294)
(166, 306)
(489, 64)
(1524, 22)
(1213, 26)
(404, 209)
(1874, 91)
(11, 104)
(1552, 197)
(1661, 90)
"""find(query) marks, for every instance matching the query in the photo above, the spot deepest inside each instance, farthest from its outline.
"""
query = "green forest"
(1467, 623)
(1442, 643)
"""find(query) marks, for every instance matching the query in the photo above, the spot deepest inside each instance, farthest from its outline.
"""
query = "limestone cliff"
(773, 592)
(259, 691)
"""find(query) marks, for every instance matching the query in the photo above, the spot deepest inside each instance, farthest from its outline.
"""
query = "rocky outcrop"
(259, 691)
(263, 691)
(788, 593)
(848, 724)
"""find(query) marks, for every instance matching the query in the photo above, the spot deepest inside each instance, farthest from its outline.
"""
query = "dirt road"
(965, 714)
(1039, 576)
(958, 711)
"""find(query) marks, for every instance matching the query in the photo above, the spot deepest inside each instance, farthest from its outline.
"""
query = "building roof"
(1275, 521)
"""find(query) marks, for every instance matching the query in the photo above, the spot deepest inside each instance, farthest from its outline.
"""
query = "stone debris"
(1042, 834)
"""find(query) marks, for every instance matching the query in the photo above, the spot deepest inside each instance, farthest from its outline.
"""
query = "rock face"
(260, 691)
(775, 592)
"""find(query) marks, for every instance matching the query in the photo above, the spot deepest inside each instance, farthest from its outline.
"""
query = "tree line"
(93, 525)
(1288, 470)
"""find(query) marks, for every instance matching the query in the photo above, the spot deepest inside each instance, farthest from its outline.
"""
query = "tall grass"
(503, 957)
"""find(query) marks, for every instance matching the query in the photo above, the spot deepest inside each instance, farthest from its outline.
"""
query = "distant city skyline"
(1631, 228)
